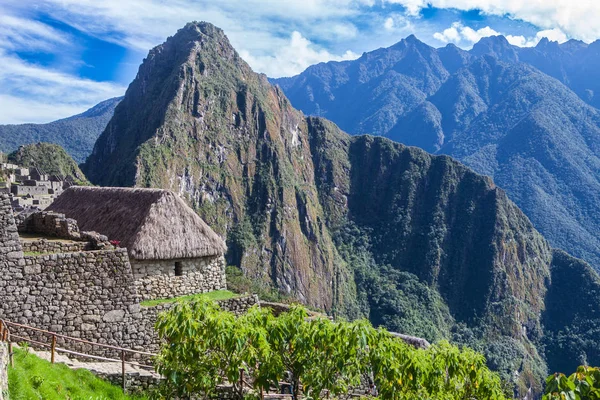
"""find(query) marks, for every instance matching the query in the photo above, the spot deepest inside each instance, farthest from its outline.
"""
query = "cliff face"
(360, 226)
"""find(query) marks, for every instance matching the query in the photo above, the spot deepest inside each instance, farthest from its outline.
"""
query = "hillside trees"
(204, 346)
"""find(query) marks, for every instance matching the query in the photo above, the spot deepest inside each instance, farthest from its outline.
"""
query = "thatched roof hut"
(153, 224)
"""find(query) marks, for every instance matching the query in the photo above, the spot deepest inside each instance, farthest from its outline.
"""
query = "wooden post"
(1, 327)
(10, 354)
(123, 370)
(5, 335)
(53, 349)
(241, 382)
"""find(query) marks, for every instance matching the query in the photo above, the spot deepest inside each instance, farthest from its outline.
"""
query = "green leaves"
(205, 346)
(584, 384)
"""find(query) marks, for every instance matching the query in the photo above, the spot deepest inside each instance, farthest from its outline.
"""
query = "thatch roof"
(153, 224)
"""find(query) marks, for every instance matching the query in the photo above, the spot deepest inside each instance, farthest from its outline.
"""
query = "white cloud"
(451, 34)
(25, 34)
(389, 24)
(293, 57)
(576, 18)
(554, 35)
(30, 93)
(458, 33)
(475, 36)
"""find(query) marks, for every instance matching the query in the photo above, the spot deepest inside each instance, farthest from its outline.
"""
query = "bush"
(584, 384)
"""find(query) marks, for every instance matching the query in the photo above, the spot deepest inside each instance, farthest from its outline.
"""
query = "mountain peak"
(498, 40)
(497, 46)
(409, 41)
(547, 44)
(199, 29)
(193, 35)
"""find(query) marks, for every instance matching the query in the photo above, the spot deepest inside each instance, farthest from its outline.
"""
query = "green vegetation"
(323, 357)
(215, 295)
(50, 158)
(584, 384)
(34, 378)
(572, 322)
(394, 299)
(239, 283)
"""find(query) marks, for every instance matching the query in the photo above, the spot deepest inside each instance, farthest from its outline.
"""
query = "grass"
(33, 253)
(215, 296)
(34, 378)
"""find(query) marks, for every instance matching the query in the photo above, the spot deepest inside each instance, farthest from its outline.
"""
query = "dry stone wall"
(160, 280)
(53, 246)
(87, 295)
(50, 224)
(10, 246)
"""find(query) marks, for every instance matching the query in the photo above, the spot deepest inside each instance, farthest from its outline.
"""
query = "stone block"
(114, 316)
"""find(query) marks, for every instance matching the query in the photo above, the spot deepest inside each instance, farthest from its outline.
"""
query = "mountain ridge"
(486, 103)
(76, 134)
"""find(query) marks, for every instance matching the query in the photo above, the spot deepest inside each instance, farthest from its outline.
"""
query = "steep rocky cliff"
(360, 226)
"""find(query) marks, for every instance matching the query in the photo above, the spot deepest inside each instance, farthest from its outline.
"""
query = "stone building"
(56, 277)
(172, 251)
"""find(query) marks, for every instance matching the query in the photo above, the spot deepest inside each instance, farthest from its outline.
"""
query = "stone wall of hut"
(163, 279)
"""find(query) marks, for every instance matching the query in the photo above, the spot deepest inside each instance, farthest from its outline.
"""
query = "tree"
(321, 356)
(203, 345)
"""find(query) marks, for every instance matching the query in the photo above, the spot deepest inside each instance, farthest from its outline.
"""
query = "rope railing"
(7, 336)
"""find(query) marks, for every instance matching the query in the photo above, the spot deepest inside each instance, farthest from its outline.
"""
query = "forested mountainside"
(359, 226)
(49, 158)
(491, 108)
(76, 134)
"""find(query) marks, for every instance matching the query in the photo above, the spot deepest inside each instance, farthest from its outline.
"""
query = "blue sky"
(60, 57)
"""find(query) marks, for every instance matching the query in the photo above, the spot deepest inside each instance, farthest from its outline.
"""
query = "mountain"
(491, 108)
(573, 63)
(358, 226)
(50, 158)
(76, 134)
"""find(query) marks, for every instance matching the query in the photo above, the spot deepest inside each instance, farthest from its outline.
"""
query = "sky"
(61, 57)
